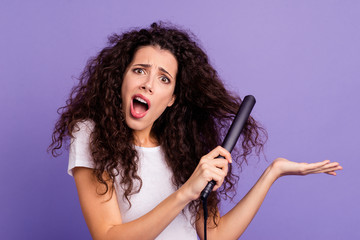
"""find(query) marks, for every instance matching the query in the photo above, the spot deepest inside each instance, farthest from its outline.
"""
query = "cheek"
(124, 87)
(124, 100)
(168, 101)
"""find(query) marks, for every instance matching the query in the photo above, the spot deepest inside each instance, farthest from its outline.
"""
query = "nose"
(148, 85)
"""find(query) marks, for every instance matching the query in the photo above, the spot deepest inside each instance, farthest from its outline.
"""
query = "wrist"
(184, 195)
(274, 170)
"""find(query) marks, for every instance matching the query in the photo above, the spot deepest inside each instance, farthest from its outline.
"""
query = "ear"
(172, 101)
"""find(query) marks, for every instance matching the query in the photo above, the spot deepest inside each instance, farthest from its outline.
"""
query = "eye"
(165, 79)
(139, 70)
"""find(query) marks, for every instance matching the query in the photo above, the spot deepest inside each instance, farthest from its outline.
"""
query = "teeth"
(141, 100)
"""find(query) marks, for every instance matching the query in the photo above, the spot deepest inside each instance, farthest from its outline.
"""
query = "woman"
(145, 122)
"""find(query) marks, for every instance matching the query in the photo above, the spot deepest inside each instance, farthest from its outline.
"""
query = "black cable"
(204, 201)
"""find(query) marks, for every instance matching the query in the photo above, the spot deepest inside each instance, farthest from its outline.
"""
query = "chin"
(136, 125)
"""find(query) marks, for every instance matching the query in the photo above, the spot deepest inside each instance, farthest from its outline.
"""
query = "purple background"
(301, 60)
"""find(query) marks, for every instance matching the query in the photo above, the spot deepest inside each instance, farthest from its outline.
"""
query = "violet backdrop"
(300, 59)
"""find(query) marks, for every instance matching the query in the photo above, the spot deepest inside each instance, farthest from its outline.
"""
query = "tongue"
(139, 107)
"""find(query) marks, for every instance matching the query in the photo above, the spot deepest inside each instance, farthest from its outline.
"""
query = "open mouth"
(139, 106)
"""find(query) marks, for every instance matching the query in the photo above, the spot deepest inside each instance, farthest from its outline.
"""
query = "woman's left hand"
(286, 167)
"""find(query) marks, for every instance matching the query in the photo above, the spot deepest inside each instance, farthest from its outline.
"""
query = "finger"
(324, 167)
(332, 169)
(327, 169)
(218, 165)
(225, 169)
(219, 162)
(331, 173)
(317, 164)
(218, 176)
(216, 171)
(221, 170)
(220, 151)
(334, 165)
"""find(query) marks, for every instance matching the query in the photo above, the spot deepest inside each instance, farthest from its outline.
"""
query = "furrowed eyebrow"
(143, 65)
(149, 65)
(163, 70)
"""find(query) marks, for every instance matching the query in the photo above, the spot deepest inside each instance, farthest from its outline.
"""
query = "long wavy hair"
(193, 125)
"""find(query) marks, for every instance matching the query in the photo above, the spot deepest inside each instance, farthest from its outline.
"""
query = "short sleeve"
(79, 152)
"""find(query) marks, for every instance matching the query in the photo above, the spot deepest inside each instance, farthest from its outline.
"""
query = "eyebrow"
(149, 65)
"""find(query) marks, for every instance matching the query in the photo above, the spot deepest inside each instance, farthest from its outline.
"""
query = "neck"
(145, 139)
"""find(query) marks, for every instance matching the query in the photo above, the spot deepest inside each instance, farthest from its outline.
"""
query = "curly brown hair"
(199, 116)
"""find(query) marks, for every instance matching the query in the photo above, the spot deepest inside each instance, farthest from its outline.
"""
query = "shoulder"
(80, 152)
(84, 126)
(82, 131)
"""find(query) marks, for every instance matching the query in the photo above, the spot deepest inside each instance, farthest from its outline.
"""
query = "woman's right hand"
(209, 168)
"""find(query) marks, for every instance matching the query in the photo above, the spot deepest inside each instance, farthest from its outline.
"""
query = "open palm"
(286, 167)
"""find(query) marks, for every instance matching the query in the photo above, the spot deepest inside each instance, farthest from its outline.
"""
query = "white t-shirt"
(156, 179)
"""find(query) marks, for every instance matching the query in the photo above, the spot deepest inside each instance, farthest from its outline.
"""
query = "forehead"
(157, 57)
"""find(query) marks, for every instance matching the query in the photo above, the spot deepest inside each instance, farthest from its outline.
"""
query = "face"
(148, 87)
